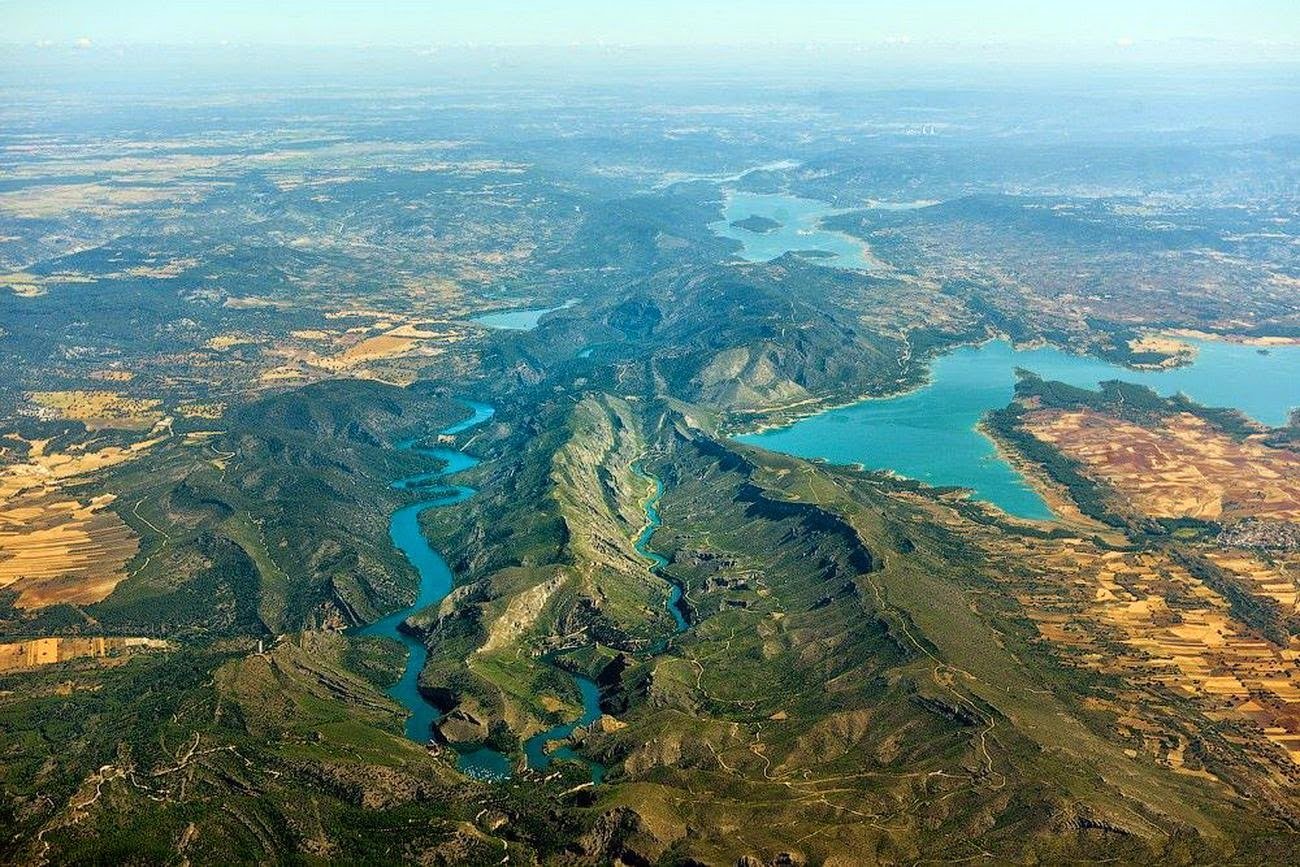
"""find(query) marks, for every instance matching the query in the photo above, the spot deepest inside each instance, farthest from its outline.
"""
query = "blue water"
(484, 763)
(435, 583)
(930, 434)
(800, 230)
(522, 319)
(657, 560)
(535, 753)
(535, 747)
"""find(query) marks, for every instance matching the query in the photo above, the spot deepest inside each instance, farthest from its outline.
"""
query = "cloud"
(1124, 42)
(83, 42)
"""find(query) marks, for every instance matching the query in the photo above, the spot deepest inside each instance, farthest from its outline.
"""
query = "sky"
(1103, 26)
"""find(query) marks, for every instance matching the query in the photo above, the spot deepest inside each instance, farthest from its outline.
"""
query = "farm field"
(603, 453)
(1182, 467)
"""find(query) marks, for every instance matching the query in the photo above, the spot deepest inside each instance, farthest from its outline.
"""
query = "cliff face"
(574, 581)
(593, 484)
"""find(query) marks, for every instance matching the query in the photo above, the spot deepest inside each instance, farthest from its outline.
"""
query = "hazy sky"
(1102, 25)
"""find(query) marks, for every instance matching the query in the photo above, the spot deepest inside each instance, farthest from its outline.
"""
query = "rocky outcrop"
(623, 835)
(520, 614)
(462, 726)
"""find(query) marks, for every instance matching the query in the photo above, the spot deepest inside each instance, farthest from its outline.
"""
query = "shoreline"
(1262, 341)
(927, 380)
(869, 262)
(1065, 512)
(1180, 362)
(1058, 504)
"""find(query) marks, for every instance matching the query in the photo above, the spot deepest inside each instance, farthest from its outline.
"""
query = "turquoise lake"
(800, 230)
(521, 319)
(930, 434)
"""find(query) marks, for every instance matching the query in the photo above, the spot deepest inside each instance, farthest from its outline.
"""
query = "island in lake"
(758, 224)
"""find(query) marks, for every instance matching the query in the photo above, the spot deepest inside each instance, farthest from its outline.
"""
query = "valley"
(450, 471)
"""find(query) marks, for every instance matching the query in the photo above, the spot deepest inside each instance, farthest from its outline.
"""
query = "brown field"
(1275, 577)
(165, 271)
(381, 346)
(1183, 468)
(23, 285)
(1166, 641)
(99, 409)
(55, 547)
(21, 655)
(1265, 341)
(45, 469)
(285, 374)
(44, 202)
(222, 342)
(1177, 351)
(397, 339)
(389, 348)
(33, 286)
(1147, 619)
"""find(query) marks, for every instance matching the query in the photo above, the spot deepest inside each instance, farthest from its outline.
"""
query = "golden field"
(1177, 663)
(99, 409)
(23, 655)
(54, 546)
(1181, 468)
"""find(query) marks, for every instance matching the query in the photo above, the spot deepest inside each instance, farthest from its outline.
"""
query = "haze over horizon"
(1102, 31)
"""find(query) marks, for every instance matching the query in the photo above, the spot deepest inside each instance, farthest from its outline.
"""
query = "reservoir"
(930, 434)
(522, 319)
(788, 224)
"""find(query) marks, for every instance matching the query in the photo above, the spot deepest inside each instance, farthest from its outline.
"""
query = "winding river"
(535, 752)
(435, 583)
(657, 560)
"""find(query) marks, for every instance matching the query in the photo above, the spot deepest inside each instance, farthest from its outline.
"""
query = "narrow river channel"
(535, 751)
(435, 583)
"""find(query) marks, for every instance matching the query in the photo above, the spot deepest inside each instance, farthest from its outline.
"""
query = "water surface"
(535, 747)
(799, 231)
(930, 434)
(521, 319)
(657, 560)
(435, 583)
